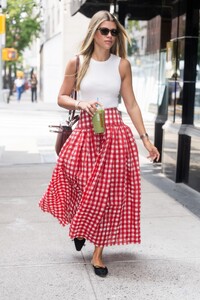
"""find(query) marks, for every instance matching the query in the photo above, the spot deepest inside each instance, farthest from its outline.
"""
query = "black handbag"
(64, 130)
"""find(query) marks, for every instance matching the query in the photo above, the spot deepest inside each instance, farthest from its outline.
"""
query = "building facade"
(60, 41)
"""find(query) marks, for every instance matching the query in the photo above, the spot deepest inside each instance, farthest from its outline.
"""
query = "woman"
(95, 186)
(33, 82)
(19, 86)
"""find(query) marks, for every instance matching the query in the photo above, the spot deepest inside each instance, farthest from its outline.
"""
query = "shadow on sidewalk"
(180, 192)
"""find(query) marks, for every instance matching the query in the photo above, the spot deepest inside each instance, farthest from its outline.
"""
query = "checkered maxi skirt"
(95, 186)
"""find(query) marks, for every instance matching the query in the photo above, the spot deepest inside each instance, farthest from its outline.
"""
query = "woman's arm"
(133, 108)
(64, 99)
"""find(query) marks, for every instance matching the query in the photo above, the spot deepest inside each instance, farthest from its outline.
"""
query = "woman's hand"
(153, 151)
(89, 107)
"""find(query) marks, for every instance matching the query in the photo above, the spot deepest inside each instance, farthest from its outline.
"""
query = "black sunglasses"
(105, 31)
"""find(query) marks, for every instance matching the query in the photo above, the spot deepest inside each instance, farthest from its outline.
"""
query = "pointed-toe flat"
(79, 244)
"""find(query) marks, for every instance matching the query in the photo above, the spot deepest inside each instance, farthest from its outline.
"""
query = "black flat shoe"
(79, 244)
(100, 271)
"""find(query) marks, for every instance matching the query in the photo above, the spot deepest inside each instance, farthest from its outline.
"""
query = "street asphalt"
(38, 261)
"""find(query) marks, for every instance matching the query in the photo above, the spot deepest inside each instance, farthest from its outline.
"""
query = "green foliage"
(22, 23)
(131, 26)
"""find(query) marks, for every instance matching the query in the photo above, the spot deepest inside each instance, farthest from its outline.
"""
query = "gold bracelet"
(76, 105)
(144, 135)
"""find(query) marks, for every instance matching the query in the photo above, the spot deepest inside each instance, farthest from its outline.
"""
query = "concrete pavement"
(38, 260)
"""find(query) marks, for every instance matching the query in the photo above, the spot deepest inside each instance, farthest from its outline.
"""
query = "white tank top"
(102, 82)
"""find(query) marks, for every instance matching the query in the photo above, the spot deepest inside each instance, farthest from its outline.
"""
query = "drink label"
(98, 121)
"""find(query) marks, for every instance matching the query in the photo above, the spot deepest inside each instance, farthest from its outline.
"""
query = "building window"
(197, 91)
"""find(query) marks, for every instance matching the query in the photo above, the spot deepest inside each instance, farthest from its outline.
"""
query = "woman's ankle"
(97, 257)
(80, 238)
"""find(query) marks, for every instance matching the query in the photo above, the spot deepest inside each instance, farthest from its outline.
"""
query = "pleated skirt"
(95, 186)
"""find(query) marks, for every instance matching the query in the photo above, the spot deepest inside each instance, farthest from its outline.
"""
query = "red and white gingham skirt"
(95, 186)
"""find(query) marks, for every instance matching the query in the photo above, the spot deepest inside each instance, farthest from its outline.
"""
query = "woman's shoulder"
(73, 60)
(124, 67)
(124, 64)
(72, 63)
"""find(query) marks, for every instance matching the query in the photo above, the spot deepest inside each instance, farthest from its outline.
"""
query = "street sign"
(9, 54)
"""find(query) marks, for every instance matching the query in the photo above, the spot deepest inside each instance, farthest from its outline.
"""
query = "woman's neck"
(101, 55)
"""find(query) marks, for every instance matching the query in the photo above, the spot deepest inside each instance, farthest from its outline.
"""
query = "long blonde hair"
(87, 47)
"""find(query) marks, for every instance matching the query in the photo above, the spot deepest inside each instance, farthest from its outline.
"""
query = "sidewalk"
(38, 260)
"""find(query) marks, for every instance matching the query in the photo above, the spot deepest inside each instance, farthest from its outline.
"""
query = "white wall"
(73, 31)
(52, 69)
(61, 42)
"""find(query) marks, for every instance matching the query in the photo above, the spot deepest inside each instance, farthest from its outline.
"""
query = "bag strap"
(77, 67)
(72, 112)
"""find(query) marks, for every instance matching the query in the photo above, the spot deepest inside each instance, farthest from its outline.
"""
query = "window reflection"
(145, 64)
(174, 76)
(197, 91)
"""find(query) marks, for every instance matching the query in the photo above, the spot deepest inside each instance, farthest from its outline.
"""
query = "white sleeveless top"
(102, 82)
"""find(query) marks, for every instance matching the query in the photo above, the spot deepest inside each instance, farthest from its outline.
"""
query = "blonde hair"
(87, 47)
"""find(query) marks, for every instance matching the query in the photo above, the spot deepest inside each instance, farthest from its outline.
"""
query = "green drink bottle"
(98, 120)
